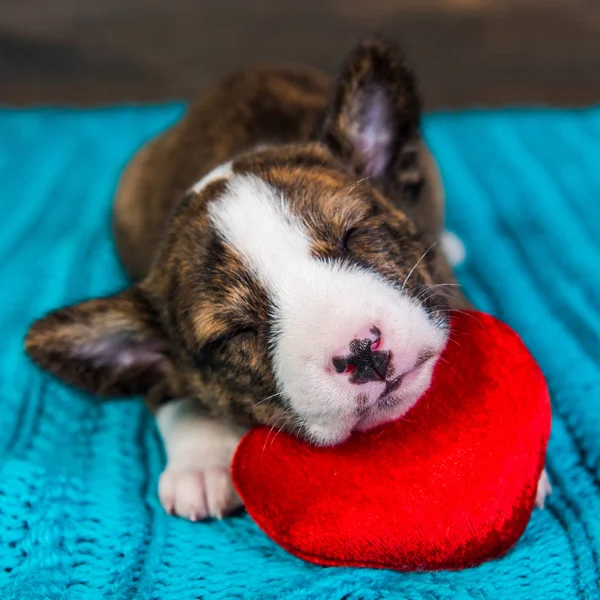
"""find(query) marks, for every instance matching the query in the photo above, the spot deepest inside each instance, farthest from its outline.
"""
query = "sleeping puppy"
(283, 237)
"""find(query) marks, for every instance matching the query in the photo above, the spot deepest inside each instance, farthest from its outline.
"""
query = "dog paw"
(198, 494)
(544, 489)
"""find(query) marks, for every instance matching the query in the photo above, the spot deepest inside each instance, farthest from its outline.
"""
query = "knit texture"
(79, 513)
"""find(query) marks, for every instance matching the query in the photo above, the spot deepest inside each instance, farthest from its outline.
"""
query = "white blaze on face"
(319, 309)
(223, 171)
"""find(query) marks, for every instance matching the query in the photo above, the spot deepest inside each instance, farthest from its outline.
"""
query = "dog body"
(283, 238)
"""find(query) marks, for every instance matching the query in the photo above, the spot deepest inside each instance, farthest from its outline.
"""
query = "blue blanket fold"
(79, 513)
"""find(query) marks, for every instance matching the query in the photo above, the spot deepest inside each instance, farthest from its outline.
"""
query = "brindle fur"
(195, 322)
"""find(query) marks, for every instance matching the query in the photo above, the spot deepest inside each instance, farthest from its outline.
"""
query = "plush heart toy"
(450, 485)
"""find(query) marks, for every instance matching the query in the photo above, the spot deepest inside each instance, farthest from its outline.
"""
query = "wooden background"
(466, 52)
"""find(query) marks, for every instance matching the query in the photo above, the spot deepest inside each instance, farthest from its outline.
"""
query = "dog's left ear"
(373, 116)
(111, 346)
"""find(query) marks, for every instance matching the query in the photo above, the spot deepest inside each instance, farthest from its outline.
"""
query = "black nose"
(370, 365)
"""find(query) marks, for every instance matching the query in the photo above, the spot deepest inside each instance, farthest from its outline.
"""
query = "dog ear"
(108, 346)
(374, 113)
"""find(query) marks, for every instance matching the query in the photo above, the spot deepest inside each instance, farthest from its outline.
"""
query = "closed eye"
(346, 240)
(359, 225)
(412, 189)
(235, 335)
(243, 334)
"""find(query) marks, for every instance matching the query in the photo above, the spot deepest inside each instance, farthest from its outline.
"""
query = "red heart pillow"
(448, 486)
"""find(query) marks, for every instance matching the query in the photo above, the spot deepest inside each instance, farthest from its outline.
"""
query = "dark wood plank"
(465, 52)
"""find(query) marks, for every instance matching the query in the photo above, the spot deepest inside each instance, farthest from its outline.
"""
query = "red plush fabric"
(450, 485)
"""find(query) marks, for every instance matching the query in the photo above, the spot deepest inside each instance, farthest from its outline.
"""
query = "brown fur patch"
(258, 105)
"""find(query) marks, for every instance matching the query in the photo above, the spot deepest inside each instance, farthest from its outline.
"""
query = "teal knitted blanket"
(79, 513)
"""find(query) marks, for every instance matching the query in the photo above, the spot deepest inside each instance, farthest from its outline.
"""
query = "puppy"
(284, 242)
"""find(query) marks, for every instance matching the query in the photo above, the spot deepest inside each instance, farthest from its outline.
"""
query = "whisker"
(465, 313)
(435, 289)
(403, 418)
(356, 184)
(274, 427)
(438, 285)
(268, 398)
(451, 339)
(469, 314)
(417, 264)
(425, 296)
(280, 430)
(270, 431)
(445, 294)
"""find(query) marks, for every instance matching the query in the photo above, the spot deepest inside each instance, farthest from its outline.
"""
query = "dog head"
(290, 288)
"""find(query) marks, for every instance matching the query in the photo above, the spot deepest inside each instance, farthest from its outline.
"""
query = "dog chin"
(332, 432)
(413, 388)
(327, 435)
(380, 417)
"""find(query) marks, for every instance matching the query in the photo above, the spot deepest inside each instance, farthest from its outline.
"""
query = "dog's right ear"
(374, 113)
(108, 346)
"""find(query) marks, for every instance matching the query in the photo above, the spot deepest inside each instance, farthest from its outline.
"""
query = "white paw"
(544, 489)
(196, 483)
(198, 494)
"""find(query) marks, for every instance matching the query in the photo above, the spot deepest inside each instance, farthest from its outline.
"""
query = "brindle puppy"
(283, 239)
